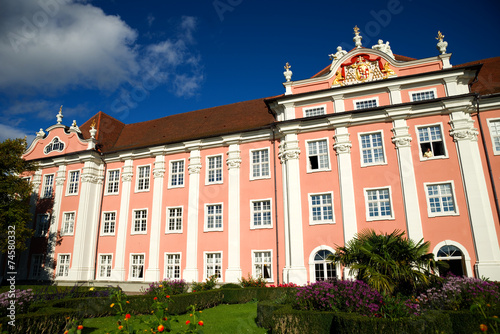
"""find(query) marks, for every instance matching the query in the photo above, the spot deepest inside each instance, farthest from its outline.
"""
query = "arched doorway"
(323, 269)
(453, 256)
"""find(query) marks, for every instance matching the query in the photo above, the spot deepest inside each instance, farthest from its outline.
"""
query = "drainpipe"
(276, 208)
(485, 148)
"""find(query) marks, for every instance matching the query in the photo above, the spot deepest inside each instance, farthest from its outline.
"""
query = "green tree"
(389, 263)
(15, 194)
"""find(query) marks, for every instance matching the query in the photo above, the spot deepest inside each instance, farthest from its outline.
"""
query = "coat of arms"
(362, 69)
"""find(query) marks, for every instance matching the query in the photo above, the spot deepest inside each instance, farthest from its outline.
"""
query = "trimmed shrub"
(230, 286)
(48, 321)
(265, 312)
(168, 287)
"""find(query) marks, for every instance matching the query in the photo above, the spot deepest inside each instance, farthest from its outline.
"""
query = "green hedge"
(265, 312)
(48, 321)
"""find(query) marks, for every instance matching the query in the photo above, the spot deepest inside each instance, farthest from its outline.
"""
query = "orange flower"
(161, 328)
(120, 327)
(188, 322)
(127, 316)
(155, 298)
(80, 327)
(168, 296)
(200, 322)
(127, 302)
(112, 305)
(483, 327)
(160, 286)
(165, 319)
(191, 315)
(66, 332)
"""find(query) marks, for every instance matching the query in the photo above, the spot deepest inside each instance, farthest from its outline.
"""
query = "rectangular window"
(42, 225)
(48, 186)
(140, 221)
(37, 266)
(213, 265)
(378, 203)
(441, 199)
(214, 170)
(309, 112)
(317, 155)
(68, 223)
(113, 181)
(173, 266)
(423, 95)
(63, 265)
(109, 223)
(261, 214)
(366, 104)
(431, 141)
(74, 179)
(260, 164)
(137, 266)
(372, 149)
(143, 178)
(262, 265)
(213, 217)
(105, 263)
(174, 220)
(321, 208)
(495, 135)
(177, 173)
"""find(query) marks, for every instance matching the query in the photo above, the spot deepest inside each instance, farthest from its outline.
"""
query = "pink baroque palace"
(269, 187)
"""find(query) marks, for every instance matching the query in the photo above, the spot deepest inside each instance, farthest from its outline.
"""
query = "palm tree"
(387, 262)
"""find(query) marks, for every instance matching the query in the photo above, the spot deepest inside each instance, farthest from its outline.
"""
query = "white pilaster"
(56, 211)
(295, 270)
(343, 148)
(152, 273)
(395, 94)
(402, 140)
(233, 272)
(87, 222)
(191, 272)
(338, 103)
(480, 210)
(118, 272)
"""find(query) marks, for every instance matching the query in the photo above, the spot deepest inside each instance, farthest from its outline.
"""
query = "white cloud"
(150, 19)
(7, 131)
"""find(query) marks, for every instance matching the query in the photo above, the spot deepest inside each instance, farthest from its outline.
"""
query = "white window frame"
(311, 217)
(167, 225)
(367, 207)
(64, 267)
(442, 213)
(113, 182)
(254, 264)
(39, 228)
(143, 179)
(252, 220)
(319, 169)
(103, 232)
(354, 102)
(434, 157)
(106, 266)
(312, 262)
(376, 163)
(46, 186)
(39, 269)
(205, 265)
(259, 164)
(73, 187)
(170, 265)
(131, 271)
(422, 91)
(68, 225)
(221, 228)
(207, 160)
(309, 109)
(50, 146)
(133, 231)
(171, 173)
(492, 136)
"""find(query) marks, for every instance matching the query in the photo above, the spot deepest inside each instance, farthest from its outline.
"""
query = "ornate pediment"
(361, 69)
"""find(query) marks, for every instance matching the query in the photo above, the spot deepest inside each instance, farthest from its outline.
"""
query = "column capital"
(402, 137)
(234, 159)
(289, 150)
(342, 143)
(463, 129)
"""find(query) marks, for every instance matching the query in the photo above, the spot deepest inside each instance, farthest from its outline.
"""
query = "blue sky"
(138, 61)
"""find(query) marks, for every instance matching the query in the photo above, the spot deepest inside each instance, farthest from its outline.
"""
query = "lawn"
(235, 318)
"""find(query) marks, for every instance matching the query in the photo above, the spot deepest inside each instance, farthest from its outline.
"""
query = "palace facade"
(270, 186)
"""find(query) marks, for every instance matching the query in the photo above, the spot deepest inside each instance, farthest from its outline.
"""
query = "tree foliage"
(15, 193)
(390, 263)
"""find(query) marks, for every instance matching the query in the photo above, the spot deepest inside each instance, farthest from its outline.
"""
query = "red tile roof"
(488, 80)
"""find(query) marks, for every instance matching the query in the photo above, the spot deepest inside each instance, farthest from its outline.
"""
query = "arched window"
(455, 259)
(323, 269)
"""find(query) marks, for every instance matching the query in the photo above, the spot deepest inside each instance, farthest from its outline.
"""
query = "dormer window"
(54, 145)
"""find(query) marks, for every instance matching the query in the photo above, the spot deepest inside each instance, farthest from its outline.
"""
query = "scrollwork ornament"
(464, 134)
(341, 148)
(194, 168)
(158, 173)
(233, 163)
(60, 181)
(90, 178)
(127, 177)
(402, 141)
